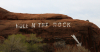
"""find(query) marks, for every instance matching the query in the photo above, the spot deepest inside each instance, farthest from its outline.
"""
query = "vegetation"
(21, 43)
(35, 45)
(70, 48)
(18, 43)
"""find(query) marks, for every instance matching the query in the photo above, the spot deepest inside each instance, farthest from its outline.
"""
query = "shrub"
(34, 43)
(33, 39)
(14, 43)
(18, 43)
(60, 44)
(70, 48)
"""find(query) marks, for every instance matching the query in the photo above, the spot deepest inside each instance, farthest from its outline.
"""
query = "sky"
(77, 9)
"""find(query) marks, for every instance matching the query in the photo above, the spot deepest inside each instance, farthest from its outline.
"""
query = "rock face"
(6, 15)
(51, 27)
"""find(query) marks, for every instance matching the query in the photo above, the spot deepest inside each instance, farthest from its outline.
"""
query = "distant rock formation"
(50, 27)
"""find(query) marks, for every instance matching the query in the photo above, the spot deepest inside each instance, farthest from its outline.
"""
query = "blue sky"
(77, 9)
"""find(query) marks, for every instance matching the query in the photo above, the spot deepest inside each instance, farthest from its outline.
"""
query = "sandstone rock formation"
(6, 15)
(51, 27)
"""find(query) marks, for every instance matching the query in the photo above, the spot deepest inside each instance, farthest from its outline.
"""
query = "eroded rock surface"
(51, 27)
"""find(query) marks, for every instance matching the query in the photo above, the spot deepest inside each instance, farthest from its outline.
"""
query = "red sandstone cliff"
(86, 32)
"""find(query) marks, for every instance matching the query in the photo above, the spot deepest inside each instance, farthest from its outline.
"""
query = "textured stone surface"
(86, 32)
(6, 15)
